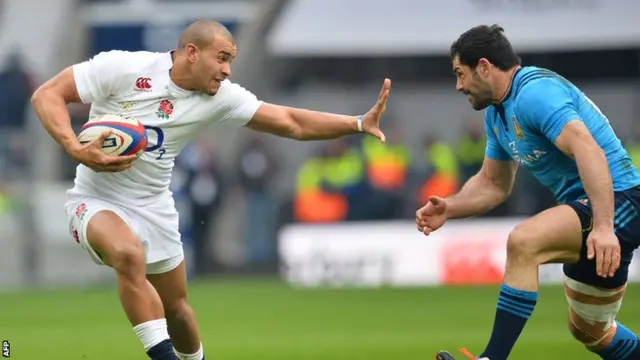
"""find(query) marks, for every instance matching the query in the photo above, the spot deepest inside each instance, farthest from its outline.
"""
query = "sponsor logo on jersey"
(517, 129)
(165, 109)
(143, 84)
(127, 105)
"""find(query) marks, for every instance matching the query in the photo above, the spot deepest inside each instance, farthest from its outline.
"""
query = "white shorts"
(156, 226)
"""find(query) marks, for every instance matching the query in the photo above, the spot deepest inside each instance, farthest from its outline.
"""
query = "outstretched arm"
(301, 124)
(490, 187)
(483, 192)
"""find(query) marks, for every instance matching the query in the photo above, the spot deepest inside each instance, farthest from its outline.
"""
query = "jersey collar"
(507, 95)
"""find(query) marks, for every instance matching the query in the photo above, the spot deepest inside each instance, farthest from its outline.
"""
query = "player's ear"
(192, 52)
(483, 67)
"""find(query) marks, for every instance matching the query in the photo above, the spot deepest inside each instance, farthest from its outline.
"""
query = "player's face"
(470, 83)
(213, 64)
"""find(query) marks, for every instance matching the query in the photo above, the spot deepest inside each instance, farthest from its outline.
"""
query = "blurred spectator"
(528, 196)
(442, 177)
(387, 166)
(16, 87)
(328, 182)
(256, 167)
(471, 146)
(204, 187)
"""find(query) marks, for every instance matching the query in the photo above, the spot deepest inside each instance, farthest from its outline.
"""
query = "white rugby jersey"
(138, 84)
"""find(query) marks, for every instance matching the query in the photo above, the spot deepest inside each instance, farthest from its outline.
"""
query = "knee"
(522, 244)
(128, 259)
(584, 336)
(591, 335)
(592, 313)
(178, 311)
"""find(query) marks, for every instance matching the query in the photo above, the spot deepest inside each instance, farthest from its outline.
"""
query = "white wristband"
(359, 123)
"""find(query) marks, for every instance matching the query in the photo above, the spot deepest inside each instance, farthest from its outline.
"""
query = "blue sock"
(162, 351)
(514, 309)
(624, 346)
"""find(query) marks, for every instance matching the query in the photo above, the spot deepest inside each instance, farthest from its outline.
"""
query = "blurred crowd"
(361, 178)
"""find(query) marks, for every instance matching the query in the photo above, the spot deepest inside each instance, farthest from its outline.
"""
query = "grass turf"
(249, 320)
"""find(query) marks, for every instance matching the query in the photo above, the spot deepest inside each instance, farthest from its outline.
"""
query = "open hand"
(371, 120)
(605, 247)
(432, 216)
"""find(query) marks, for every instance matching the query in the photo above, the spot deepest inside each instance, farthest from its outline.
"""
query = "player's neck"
(179, 73)
(503, 84)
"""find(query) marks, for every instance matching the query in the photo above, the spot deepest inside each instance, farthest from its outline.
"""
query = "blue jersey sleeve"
(546, 106)
(493, 150)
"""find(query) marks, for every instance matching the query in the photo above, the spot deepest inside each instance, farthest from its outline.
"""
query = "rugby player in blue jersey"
(536, 119)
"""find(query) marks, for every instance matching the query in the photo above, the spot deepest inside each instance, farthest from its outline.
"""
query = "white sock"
(197, 356)
(151, 333)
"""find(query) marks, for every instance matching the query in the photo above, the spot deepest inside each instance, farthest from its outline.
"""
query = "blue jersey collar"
(507, 95)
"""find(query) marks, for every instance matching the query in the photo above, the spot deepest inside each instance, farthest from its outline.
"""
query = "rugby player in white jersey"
(121, 210)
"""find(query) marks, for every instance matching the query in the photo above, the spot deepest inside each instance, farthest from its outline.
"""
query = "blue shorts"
(627, 228)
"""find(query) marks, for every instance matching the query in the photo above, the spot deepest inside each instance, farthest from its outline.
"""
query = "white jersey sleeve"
(239, 104)
(100, 77)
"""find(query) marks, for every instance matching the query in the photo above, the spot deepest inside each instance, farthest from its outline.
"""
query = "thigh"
(627, 228)
(171, 286)
(100, 227)
(554, 235)
(160, 236)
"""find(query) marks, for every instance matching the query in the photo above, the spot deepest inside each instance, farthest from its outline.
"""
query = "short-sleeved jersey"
(526, 124)
(138, 84)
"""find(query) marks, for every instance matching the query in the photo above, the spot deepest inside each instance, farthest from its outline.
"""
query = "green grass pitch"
(250, 320)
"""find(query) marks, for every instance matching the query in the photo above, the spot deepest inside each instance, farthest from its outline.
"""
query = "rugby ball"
(128, 135)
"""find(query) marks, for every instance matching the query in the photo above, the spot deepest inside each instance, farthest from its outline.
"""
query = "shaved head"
(202, 34)
(202, 60)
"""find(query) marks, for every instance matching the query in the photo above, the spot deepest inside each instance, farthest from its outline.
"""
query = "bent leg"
(555, 235)
(114, 242)
(112, 239)
(181, 319)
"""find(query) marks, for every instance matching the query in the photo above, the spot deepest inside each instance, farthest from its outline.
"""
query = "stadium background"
(303, 250)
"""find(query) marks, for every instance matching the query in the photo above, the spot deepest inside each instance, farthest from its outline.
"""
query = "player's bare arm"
(490, 187)
(50, 104)
(486, 190)
(576, 141)
(302, 124)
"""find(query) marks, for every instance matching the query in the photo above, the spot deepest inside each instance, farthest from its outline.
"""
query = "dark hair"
(486, 42)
